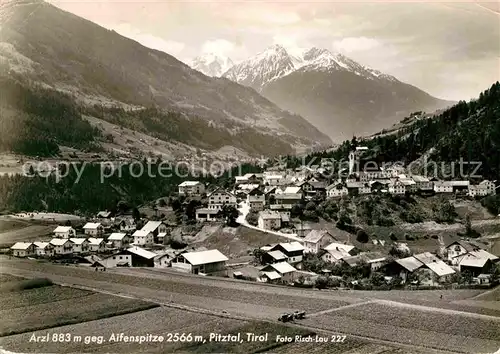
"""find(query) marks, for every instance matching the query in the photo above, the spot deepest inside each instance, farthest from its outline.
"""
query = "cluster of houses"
(283, 261)
(273, 193)
(127, 248)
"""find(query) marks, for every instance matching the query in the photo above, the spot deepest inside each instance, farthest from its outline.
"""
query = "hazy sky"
(449, 49)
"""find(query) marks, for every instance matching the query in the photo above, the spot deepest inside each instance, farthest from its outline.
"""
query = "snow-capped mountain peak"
(268, 65)
(212, 64)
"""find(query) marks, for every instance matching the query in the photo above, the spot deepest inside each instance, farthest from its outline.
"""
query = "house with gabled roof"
(93, 229)
(64, 232)
(43, 249)
(294, 251)
(336, 190)
(96, 244)
(143, 238)
(458, 248)
(220, 197)
(201, 262)
(477, 262)
(335, 252)
(62, 245)
(140, 256)
(191, 188)
(80, 244)
(275, 256)
(119, 239)
(315, 240)
(23, 249)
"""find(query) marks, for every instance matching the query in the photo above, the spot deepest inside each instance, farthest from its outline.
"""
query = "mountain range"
(120, 81)
(212, 64)
(333, 92)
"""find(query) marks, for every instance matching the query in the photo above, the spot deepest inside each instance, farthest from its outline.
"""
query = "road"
(417, 324)
(244, 209)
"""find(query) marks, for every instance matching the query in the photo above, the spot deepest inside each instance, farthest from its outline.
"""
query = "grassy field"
(240, 241)
(52, 306)
(31, 233)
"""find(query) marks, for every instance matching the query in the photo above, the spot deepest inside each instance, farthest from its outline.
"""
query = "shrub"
(362, 236)
(252, 218)
(27, 284)
(393, 237)
(321, 282)
(435, 237)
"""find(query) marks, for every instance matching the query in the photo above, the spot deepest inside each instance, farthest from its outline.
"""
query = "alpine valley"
(336, 94)
(88, 88)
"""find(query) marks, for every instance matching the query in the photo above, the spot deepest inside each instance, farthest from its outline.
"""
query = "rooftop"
(151, 226)
(92, 225)
(204, 257)
(21, 246)
(116, 236)
(189, 183)
(141, 252)
(314, 236)
(62, 229)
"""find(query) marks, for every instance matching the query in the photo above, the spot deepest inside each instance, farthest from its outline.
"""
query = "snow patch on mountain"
(211, 64)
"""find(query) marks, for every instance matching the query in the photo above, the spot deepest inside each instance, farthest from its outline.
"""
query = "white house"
(285, 270)
(64, 232)
(205, 214)
(256, 201)
(96, 244)
(93, 229)
(490, 187)
(443, 187)
(269, 220)
(80, 244)
(23, 249)
(336, 190)
(219, 198)
(458, 248)
(155, 227)
(273, 180)
(119, 240)
(143, 238)
(204, 262)
(335, 252)
(396, 187)
(191, 188)
(423, 183)
(43, 249)
(316, 240)
(121, 259)
(62, 245)
(293, 251)
(127, 225)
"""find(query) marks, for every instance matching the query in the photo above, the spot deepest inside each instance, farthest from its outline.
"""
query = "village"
(306, 257)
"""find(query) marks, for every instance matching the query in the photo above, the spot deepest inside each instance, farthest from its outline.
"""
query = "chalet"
(336, 190)
(127, 225)
(335, 252)
(164, 260)
(306, 187)
(219, 197)
(489, 186)
(119, 240)
(191, 188)
(458, 248)
(477, 191)
(302, 230)
(43, 249)
(460, 186)
(423, 183)
(404, 267)
(96, 244)
(319, 186)
(64, 232)
(269, 220)
(155, 227)
(443, 187)
(273, 180)
(256, 199)
(287, 199)
(205, 214)
(202, 262)
(316, 240)
(270, 276)
(23, 249)
(374, 259)
(285, 270)
(355, 188)
(80, 244)
(476, 262)
(276, 256)
(121, 259)
(62, 245)
(249, 178)
(93, 229)
(143, 238)
(140, 256)
(439, 270)
(293, 251)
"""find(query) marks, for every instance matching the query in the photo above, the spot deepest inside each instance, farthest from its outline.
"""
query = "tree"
(162, 203)
(176, 205)
(258, 255)
(321, 282)
(252, 218)
(229, 213)
(362, 236)
(136, 215)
